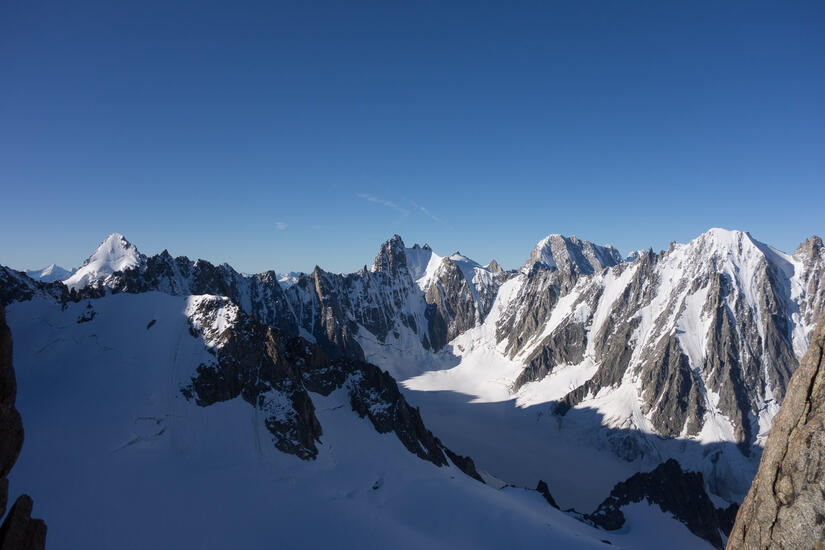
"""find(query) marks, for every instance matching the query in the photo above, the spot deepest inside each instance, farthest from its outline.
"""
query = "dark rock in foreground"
(18, 531)
(785, 507)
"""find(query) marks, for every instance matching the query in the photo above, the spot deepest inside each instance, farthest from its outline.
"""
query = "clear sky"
(280, 135)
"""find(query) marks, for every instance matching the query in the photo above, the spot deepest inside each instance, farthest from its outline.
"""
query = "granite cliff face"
(785, 507)
(18, 531)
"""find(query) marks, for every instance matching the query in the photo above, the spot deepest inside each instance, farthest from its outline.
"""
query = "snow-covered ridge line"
(681, 354)
(576, 303)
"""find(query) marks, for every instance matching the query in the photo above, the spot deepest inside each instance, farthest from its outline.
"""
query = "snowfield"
(115, 457)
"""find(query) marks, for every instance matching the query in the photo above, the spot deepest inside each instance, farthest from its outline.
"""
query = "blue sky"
(284, 134)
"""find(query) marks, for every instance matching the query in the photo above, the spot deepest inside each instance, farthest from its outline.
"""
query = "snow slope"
(115, 457)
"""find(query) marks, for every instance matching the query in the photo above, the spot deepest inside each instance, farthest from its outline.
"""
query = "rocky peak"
(494, 267)
(810, 247)
(391, 256)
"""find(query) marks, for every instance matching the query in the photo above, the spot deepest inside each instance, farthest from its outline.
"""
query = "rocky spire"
(494, 267)
(391, 256)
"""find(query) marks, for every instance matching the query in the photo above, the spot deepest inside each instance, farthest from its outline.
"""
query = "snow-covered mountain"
(577, 371)
(50, 274)
(569, 254)
(113, 255)
(683, 354)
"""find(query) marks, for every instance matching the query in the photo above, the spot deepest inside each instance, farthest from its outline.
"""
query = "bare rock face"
(450, 306)
(785, 507)
(249, 363)
(812, 255)
(675, 491)
(566, 345)
(18, 531)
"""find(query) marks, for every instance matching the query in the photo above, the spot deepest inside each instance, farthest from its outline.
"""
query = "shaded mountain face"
(785, 507)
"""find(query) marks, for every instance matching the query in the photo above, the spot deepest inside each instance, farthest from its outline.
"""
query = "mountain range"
(608, 383)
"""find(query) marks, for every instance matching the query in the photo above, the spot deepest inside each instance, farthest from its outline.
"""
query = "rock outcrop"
(675, 491)
(18, 531)
(785, 507)
(275, 373)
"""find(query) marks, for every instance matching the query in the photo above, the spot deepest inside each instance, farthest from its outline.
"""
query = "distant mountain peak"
(810, 247)
(494, 267)
(556, 251)
(49, 274)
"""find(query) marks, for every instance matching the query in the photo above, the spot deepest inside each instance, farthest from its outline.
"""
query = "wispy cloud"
(429, 214)
(383, 202)
(281, 226)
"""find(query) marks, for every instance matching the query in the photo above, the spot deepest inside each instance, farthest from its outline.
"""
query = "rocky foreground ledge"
(785, 507)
